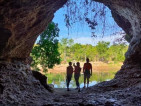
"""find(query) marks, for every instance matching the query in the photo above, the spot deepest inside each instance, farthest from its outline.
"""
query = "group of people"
(87, 70)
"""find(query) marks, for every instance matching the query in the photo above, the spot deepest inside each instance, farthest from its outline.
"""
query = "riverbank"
(97, 67)
(101, 72)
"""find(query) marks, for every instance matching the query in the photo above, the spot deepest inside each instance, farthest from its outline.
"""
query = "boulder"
(43, 80)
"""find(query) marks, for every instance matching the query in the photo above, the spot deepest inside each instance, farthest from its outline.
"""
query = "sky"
(81, 33)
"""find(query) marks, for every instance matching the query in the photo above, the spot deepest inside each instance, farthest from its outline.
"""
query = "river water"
(59, 79)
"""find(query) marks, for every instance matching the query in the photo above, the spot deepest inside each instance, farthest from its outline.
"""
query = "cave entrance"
(24, 20)
(105, 50)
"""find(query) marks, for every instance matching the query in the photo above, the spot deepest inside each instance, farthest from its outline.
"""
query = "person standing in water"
(87, 70)
(77, 71)
(69, 73)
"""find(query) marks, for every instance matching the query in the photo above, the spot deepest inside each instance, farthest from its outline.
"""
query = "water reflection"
(59, 80)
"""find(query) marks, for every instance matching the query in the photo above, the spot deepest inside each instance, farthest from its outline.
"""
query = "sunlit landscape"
(101, 72)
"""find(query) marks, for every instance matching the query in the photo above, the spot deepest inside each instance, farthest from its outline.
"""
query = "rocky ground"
(19, 87)
(103, 94)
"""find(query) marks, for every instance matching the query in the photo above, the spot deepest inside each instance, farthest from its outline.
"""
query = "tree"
(45, 53)
(65, 46)
(103, 51)
(102, 48)
(78, 52)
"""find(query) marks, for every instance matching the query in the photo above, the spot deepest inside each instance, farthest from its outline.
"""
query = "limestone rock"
(127, 14)
(19, 87)
(21, 22)
(1, 89)
(43, 80)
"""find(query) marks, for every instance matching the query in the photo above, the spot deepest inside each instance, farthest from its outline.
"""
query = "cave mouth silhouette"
(24, 20)
(70, 34)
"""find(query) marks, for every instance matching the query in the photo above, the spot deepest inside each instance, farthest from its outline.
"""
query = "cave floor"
(120, 97)
(21, 88)
(103, 94)
(63, 91)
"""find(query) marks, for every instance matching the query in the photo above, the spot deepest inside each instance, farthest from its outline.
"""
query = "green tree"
(65, 48)
(102, 48)
(103, 51)
(91, 52)
(45, 53)
(78, 52)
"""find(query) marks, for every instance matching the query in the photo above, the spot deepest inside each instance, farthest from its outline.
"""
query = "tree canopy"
(103, 51)
(45, 53)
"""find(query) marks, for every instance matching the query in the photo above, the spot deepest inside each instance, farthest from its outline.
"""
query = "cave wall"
(21, 21)
(127, 14)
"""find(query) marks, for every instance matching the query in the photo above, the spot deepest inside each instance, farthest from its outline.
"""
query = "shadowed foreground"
(21, 88)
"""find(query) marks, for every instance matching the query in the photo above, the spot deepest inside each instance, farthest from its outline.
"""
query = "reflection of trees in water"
(60, 79)
(102, 76)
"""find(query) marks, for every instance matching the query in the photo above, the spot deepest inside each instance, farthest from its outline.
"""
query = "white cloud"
(93, 41)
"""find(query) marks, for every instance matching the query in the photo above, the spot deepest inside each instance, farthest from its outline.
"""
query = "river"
(59, 79)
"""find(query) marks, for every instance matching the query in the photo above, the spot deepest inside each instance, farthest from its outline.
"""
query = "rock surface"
(21, 22)
(43, 80)
(127, 14)
(21, 88)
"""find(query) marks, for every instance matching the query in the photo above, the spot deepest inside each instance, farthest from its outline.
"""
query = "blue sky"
(81, 33)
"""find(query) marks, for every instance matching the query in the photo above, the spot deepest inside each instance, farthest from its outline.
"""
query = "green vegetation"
(45, 54)
(103, 51)
(48, 51)
(65, 47)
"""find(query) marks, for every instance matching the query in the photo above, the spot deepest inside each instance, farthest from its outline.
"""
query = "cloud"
(93, 41)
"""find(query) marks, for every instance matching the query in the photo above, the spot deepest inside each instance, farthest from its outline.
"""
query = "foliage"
(65, 48)
(103, 51)
(45, 53)
(102, 48)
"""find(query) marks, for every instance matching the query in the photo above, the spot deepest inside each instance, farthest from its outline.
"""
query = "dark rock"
(21, 22)
(109, 104)
(20, 87)
(127, 15)
(1, 89)
(42, 78)
(28, 60)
